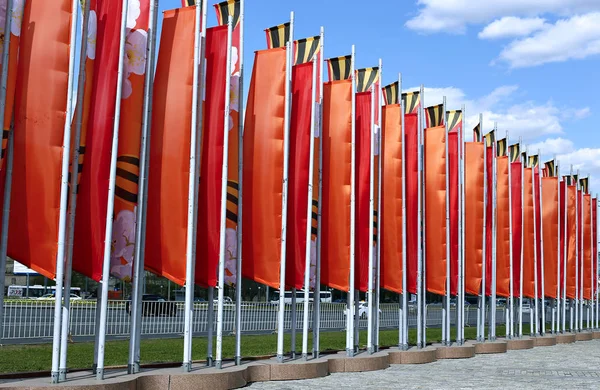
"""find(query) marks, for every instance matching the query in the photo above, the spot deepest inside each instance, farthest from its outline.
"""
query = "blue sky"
(531, 65)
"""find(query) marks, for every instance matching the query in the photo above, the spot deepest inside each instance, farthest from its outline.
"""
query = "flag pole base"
(54, 377)
(219, 364)
(209, 361)
(349, 352)
(133, 368)
(238, 360)
(100, 374)
(279, 358)
(187, 367)
(62, 375)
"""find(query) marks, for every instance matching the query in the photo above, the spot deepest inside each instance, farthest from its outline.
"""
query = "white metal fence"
(33, 319)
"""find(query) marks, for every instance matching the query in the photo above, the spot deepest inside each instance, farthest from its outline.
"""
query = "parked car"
(52, 296)
(363, 310)
(155, 305)
(226, 301)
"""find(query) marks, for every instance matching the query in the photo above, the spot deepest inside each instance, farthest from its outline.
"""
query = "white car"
(363, 310)
(52, 296)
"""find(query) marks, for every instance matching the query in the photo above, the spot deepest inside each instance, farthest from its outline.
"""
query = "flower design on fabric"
(133, 13)
(123, 243)
(230, 256)
(313, 263)
(135, 58)
(17, 16)
(92, 35)
(234, 97)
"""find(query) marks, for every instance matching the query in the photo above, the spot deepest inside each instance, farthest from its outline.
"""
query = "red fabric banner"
(528, 235)
(502, 228)
(587, 246)
(300, 134)
(517, 224)
(550, 234)
(40, 104)
(92, 198)
(474, 210)
(562, 228)
(435, 209)
(571, 241)
(489, 169)
(411, 134)
(453, 168)
(595, 245)
(337, 160)
(391, 227)
(538, 227)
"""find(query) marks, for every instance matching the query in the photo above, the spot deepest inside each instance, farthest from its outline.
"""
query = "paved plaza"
(565, 366)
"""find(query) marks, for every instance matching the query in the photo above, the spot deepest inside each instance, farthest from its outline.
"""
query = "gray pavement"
(571, 366)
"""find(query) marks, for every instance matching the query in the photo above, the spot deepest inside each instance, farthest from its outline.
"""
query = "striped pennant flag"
(224, 10)
(412, 102)
(434, 115)
(390, 93)
(306, 49)
(501, 148)
(514, 152)
(455, 119)
(339, 68)
(365, 78)
(477, 133)
(278, 36)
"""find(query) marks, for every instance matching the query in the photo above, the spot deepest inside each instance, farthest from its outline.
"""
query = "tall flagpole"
(542, 287)
(379, 187)
(446, 312)
(195, 140)
(564, 256)
(317, 291)
(62, 371)
(460, 305)
(111, 198)
(9, 153)
(140, 229)
(577, 292)
(595, 261)
(420, 337)
(422, 220)
(572, 306)
(284, 194)
(492, 332)
(311, 154)
(558, 312)
(350, 301)
(370, 287)
(240, 129)
(403, 340)
(522, 242)
(481, 303)
(536, 236)
(582, 261)
(510, 302)
(223, 217)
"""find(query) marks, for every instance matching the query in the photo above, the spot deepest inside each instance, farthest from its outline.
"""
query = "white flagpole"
(240, 129)
(572, 324)
(536, 236)
(582, 262)
(223, 217)
(210, 324)
(590, 309)
(195, 141)
(577, 293)
(9, 157)
(317, 290)
(446, 311)
(379, 181)
(564, 254)
(558, 311)
(481, 305)
(403, 336)
(460, 305)
(370, 292)
(350, 298)
(542, 287)
(284, 195)
(421, 251)
(313, 123)
(511, 304)
(492, 332)
(62, 371)
(423, 223)
(111, 197)
(522, 242)
(140, 229)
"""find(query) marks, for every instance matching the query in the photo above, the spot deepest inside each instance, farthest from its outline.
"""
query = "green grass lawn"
(28, 358)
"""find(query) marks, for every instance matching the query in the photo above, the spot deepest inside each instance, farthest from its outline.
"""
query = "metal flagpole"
(140, 229)
(572, 325)
(595, 261)
(522, 242)
(111, 198)
(403, 341)
(582, 261)
(379, 184)
(311, 156)
(446, 312)
(558, 312)
(240, 129)
(422, 220)
(224, 180)
(64, 190)
(62, 371)
(542, 287)
(510, 332)
(460, 306)
(293, 319)
(8, 179)
(317, 292)
(420, 337)
(284, 194)
(590, 301)
(492, 331)
(210, 325)
(577, 253)
(564, 287)
(481, 301)
(370, 293)
(195, 142)
(536, 236)
(350, 298)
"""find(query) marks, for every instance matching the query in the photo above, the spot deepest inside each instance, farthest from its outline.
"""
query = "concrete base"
(595, 335)
(490, 347)
(584, 336)
(517, 344)
(359, 363)
(455, 351)
(566, 338)
(412, 355)
(544, 341)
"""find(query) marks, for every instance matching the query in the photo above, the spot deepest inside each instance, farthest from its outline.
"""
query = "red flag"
(517, 224)
(550, 234)
(411, 149)
(502, 228)
(587, 246)
(40, 105)
(594, 246)
(528, 235)
(474, 198)
(571, 241)
(538, 219)
(489, 168)
(453, 154)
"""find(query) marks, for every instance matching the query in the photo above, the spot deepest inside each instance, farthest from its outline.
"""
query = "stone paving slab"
(556, 367)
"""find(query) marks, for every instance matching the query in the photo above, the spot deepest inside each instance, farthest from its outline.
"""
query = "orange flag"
(40, 105)
(263, 168)
(337, 158)
(502, 228)
(166, 226)
(587, 247)
(391, 199)
(435, 209)
(550, 234)
(474, 198)
(528, 235)
(571, 241)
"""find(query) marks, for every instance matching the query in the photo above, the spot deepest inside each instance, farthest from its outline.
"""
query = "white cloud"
(511, 27)
(453, 16)
(574, 38)
(552, 146)
(584, 160)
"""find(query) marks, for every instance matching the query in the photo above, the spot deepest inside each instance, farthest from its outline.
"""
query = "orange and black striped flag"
(365, 78)
(187, 3)
(583, 184)
(501, 148)
(434, 115)
(224, 10)
(455, 119)
(490, 138)
(534, 161)
(306, 49)
(569, 180)
(411, 101)
(390, 93)
(514, 152)
(278, 36)
(477, 133)
(339, 68)
(549, 169)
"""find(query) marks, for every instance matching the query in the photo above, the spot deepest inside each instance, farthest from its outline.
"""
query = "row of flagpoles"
(159, 164)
